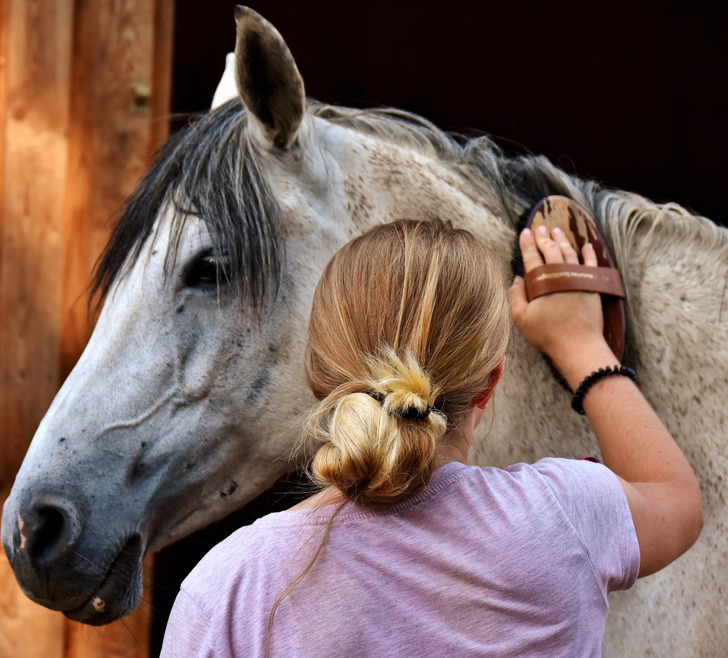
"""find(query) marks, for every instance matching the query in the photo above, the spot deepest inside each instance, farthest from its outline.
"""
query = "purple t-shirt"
(514, 562)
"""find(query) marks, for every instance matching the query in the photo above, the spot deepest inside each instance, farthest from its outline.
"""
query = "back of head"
(409, 323)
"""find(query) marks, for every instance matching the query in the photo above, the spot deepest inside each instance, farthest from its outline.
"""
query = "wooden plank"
(74, 329)
(34, 96)
(125, 60)
(162, 73)
(110, 143)
(121, 51)
(31, 256)
(4, 33)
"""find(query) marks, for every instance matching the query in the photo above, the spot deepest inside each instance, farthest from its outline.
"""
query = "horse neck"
(382, 181)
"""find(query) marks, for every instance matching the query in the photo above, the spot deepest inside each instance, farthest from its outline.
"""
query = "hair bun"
(402, 387)
(365, 450)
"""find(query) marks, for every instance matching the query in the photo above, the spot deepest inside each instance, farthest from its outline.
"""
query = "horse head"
(178, 410)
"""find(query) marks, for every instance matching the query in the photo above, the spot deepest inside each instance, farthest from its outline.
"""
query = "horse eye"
(205, 272)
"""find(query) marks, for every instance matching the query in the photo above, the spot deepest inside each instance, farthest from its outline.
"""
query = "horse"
(186, 402)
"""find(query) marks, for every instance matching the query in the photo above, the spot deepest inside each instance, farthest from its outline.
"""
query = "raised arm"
(661, 488)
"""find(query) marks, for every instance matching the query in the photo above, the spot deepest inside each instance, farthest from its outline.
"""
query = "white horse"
(185, 403)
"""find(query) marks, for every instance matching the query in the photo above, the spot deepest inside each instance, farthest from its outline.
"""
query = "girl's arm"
(661, 488)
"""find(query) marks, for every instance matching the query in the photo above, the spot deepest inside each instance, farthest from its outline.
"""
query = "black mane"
(209, 169)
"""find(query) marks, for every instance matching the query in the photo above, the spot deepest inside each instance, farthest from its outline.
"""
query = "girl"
(406, 551)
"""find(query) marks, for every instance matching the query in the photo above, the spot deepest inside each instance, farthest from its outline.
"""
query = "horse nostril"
(50, 529)
(47, 531)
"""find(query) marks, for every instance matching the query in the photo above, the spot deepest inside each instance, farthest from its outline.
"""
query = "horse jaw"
(268, 80)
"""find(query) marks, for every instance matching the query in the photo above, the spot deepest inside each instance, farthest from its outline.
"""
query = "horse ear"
(226, 88)
(267, 78)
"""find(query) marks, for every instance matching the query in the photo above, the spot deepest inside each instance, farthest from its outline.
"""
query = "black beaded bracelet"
(588, 382)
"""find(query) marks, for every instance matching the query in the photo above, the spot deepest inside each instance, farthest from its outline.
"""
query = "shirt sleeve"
(189, 632)
(596, 505)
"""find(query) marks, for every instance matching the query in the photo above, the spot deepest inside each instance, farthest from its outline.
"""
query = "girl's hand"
(567, 326)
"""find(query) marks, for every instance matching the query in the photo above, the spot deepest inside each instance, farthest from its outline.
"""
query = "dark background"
(633, 94)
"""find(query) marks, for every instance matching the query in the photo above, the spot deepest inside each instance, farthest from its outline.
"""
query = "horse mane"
(211, 169)
(516, 184)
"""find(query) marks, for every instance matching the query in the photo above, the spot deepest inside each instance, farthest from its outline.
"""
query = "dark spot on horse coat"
(62, 439)
(259, 385)
(231, 489)
(358, 204)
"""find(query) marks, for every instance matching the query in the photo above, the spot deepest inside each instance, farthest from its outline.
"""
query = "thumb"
(519, 301)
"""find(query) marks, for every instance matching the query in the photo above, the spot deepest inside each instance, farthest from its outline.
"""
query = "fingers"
(529, 251)
(568, 253)
(538, 247)
(519, 301)
(589, 255)
(550, 249)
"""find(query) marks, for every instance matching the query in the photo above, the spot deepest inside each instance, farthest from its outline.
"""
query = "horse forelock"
(211, 170)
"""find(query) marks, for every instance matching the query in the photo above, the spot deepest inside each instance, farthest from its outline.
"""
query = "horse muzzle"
(44, 542)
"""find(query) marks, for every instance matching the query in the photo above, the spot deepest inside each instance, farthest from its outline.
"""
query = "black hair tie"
(379, 397)
(411, 414)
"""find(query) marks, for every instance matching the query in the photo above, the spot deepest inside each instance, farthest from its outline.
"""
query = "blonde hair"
(409, 323)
